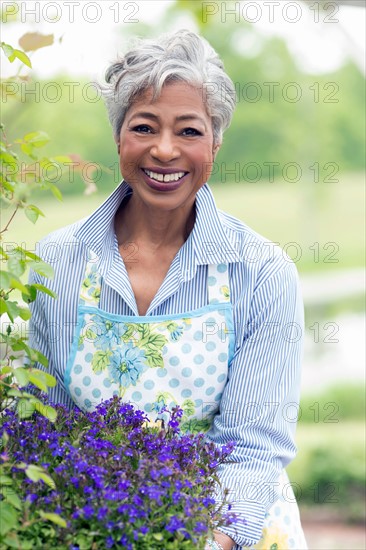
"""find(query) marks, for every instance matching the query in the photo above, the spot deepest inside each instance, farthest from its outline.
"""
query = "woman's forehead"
(175, 93)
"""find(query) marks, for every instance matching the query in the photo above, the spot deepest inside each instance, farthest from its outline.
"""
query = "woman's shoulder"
(260, 260)
(60, 240)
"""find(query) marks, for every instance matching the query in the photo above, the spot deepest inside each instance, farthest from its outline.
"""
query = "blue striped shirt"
(259, 404)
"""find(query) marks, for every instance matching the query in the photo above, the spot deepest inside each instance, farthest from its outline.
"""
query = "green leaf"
(9, 160)
(100, 361)
(56, 192)
(33, 354)
(11, 540)
(5, 280)
(55, 518)
(33, 472)
(155, 359)
(7, 49)
(3, 307)
(30, 294)
(16, 283)
(25, 408)
(155, 342)
(44, 289)
(28, 253)
(41, 379)
(47, 480)
(11, 308)
(27, 149)
(24, 313)
(15, 393)
(9, 517)
(37, 139)
(33, 212)
(3, 254)
(11, 497)
(144, 330)
(40, 267)
(36, 473)
(36, 356)
(18, 54)
(188, 407)
(49, 379)
(5, 480)
(5, 369)
(16, 265)
(22, 376)
(47, 411)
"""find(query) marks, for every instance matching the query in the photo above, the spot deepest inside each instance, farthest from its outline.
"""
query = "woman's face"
(166, 147)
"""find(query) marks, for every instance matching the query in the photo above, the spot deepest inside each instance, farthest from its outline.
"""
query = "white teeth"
(166, 178)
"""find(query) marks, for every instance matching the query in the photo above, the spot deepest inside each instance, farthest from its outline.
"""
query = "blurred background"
(291, 167)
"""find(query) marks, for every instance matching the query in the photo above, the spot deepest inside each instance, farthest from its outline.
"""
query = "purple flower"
(88, 511)
(102, 512)
(109, 542)
(122, 480)
(174, 524)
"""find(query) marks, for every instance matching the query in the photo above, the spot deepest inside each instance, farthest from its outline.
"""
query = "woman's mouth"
(164, 182)
(166, 178)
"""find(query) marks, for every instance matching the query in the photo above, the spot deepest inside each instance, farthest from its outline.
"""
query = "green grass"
(298, 214)
(331, 215)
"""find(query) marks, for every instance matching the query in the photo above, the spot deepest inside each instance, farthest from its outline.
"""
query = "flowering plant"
(118, 481)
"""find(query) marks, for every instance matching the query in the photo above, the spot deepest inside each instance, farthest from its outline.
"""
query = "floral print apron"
(153, 361)
(158, 362)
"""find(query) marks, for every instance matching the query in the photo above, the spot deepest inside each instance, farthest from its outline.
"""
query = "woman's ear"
(118, 147)
(215, 150)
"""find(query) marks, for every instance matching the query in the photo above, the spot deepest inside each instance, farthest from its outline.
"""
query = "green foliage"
(336, 404)
(329, 470)
(108, 467)
(283, 114)
(19, 180)
(12, 54)
(21, 174)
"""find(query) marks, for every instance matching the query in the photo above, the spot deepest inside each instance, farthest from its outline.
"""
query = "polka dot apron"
(157, 362)
(153, 361)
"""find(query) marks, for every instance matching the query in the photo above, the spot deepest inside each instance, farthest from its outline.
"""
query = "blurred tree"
(284, 117)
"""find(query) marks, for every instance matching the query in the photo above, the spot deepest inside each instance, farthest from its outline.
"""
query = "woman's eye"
(191, 132)
(142, 129)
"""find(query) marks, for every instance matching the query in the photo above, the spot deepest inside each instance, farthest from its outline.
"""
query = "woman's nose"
(165, 148)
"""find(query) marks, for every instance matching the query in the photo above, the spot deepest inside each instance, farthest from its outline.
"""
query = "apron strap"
(91, 285)
(218, 283)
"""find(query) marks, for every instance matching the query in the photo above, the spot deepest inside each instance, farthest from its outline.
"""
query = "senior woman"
(160, 300)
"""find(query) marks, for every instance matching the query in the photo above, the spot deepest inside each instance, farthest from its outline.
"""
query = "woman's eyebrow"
(144, 114)
(151, 116)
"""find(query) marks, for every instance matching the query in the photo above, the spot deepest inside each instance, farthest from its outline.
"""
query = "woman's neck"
(159, 229)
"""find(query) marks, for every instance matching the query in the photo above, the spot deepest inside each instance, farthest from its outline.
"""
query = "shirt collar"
(208, 242)
(212, 243)
(98, 227)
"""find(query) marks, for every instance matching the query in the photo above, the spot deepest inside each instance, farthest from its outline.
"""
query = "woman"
(160, 300)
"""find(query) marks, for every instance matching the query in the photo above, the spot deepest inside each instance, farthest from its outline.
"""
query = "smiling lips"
(164, 178)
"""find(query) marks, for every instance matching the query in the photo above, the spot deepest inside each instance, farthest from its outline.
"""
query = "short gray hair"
(180, 56)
